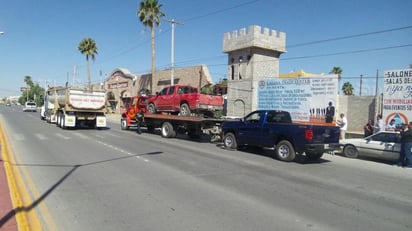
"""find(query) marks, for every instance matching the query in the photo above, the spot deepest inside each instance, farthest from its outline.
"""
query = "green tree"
(149, 15)
(347, 88)
(33, 93)
(88, 48)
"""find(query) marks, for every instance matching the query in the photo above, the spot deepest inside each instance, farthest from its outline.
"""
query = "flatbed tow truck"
(170, 124)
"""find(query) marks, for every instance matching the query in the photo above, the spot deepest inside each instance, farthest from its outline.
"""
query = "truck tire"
(58, 119)
(123, 124)
(284, 151)
(168, 130)
(229, 140)
(62, 124)
(350, 151)
(313, 155)
(151, 108)
(185, 109)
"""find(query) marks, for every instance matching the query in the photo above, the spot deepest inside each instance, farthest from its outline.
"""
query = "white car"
(30, 106)
(383, 145)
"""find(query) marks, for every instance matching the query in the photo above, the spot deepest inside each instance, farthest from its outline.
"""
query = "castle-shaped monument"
(253, 55)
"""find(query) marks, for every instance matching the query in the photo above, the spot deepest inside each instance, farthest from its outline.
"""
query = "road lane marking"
(41, 136)
(26, 216)
(19, 137)
(123, 151)
(62, 136)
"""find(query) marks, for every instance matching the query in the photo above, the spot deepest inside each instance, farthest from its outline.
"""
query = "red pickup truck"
(183, 100)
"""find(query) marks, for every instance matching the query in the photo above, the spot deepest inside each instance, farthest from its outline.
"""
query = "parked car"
(30, 106)
(384, 145)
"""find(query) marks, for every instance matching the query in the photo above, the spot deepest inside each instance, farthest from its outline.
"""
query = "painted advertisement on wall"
(397, 96)
(308, 99)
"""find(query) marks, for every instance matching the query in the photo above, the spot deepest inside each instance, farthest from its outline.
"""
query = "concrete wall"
(358, 110)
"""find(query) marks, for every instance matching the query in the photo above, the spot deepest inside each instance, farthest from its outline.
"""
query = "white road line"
(19, 137)
(123, 151)
(83, 136)
(41, 136)
(62, 136)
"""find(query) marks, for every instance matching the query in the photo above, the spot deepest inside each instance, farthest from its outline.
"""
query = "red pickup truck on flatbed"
(183, 100)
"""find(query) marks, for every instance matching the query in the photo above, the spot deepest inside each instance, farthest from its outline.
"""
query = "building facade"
(121, 84)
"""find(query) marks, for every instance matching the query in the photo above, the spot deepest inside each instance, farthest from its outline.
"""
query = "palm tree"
(28, 81)
(88, 48)
(149, 15)
(29, 85)
(347, 88)
(337, 71)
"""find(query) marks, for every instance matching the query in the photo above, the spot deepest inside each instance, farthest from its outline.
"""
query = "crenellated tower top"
(254, 37)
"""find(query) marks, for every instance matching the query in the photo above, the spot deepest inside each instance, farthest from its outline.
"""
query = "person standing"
(330, 113)
(368, 129)
(391, 126)
(406, 147)
(343, 125)
(379, 125)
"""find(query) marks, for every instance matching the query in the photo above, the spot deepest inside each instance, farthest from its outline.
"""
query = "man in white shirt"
(379, 125)
(343, 125)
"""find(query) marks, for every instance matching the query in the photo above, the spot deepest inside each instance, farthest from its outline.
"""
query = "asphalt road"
(111, 179)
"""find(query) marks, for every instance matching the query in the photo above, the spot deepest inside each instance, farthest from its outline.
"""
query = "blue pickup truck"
(274, 129)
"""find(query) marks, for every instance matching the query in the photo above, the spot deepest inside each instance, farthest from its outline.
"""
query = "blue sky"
(41, 37)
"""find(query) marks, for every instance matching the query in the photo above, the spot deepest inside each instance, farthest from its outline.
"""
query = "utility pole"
(360, 89)
(74, 75)
(172, 53)
(376, 87)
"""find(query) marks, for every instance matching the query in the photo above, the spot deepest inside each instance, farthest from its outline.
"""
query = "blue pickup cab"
(274, 129)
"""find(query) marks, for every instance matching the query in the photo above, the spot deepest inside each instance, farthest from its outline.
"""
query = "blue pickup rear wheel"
(229, 140)
(284, 151)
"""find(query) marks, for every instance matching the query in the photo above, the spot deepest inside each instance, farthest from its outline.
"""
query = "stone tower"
(253, 55)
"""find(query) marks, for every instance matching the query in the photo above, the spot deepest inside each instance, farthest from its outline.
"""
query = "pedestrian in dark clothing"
(139, 120)
(406, 146)
(330, 113)
(368, 129)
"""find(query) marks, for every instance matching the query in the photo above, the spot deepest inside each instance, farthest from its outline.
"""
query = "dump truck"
(75, 107)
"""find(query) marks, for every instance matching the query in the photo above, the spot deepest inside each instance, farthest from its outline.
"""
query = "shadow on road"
(35, 203)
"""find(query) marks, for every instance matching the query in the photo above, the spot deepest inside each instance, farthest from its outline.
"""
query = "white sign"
(397, 96)
(306, 98)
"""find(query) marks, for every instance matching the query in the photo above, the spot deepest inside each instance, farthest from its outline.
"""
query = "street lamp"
(172, 53)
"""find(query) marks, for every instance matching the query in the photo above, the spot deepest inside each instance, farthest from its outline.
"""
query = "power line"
(350, 36)
(221, 11)
(348, 52)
